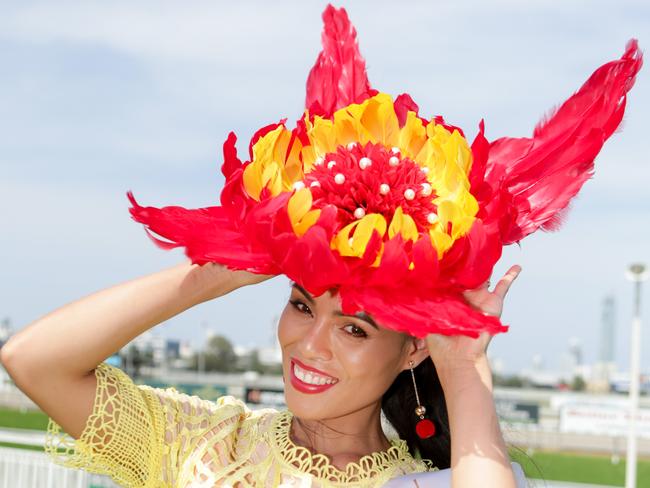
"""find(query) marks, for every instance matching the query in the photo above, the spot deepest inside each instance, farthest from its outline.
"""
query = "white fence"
(20, 468)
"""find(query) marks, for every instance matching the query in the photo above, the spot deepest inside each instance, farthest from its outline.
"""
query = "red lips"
(303, 387)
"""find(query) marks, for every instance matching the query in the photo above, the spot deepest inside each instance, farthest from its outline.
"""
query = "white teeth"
(311, 378)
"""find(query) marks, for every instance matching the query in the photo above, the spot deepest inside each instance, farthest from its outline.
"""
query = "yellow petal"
(412, 136)
(253, 181)
(380, 119)
(299, 204)
(404, 225)
(272, 178)
(307, 221)
(441, 241)
(322, 135)
(395, 223)
(409, 230)
(341, 241)
(363, 232)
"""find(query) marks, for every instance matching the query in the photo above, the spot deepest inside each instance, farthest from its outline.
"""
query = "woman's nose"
(315, 343)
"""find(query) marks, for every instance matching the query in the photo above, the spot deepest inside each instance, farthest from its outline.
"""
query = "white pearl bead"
(365, 163)
(384, 189)
(395, 150)
(331, 164)
(359, 213)
(409, 194)
(426, 189)
(431, 218)
(339, 178)
(314, 184)
(351, 146)
(393, 161)
(319, 161)
(298, 185)
(425, 170)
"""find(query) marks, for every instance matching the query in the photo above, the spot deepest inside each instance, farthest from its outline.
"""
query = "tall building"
(607, 331)
(605, 368)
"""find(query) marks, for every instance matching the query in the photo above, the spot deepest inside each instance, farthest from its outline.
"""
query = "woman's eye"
(355, 330)
(300, 306)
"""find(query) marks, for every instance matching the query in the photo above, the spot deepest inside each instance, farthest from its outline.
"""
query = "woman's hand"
(212, 277)
(446, 351)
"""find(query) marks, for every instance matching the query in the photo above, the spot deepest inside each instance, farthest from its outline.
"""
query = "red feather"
(543, 173)
(339, 76)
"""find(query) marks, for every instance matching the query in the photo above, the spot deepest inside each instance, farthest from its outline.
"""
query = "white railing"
(20, 468)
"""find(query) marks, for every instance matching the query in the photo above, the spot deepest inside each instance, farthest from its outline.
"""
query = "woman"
(389, 225)
(125, 430)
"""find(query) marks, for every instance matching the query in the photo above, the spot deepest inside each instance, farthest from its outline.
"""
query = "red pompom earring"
(425, 428)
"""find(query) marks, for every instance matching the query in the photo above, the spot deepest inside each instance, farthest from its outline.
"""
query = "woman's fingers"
(502, 287)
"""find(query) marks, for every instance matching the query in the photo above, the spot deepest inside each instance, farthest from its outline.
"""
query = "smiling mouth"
(308, 380)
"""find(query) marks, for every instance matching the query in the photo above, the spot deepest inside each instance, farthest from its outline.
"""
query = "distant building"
(605, 368)
(161, 350)
(608, 331)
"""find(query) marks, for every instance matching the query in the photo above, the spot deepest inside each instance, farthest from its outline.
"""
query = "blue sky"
(101, 97)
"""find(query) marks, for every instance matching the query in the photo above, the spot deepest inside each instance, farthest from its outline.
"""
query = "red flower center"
(373, 179)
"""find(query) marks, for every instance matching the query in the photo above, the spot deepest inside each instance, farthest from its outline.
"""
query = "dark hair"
(398, 404)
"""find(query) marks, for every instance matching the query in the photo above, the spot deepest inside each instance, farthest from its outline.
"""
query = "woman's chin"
(309, 406)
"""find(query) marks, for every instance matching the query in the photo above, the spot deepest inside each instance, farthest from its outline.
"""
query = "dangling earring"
(425, 428)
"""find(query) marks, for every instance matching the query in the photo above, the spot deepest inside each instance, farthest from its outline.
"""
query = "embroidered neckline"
(320, 466)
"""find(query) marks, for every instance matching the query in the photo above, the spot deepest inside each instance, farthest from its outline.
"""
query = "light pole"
(636, 273)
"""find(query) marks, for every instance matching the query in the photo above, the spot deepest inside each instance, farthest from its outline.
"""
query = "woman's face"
(336, 364)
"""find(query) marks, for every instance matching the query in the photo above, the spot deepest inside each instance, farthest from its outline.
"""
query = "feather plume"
(339, 76)
(543, 173)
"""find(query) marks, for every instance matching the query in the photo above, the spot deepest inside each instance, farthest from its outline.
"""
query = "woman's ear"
(417, 352)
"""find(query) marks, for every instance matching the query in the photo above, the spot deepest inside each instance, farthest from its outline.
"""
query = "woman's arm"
(479, 456)
(478, 452)
(53, 359)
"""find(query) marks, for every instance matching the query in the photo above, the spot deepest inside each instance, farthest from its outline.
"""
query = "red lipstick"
(304, 387)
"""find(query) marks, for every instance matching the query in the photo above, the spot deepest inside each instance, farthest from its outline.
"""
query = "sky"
(98, 98)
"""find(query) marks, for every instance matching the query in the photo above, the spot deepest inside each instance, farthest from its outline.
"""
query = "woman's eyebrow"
(360, 315)
(307, 295)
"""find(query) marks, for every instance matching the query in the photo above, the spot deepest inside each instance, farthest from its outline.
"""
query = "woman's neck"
(343, 439)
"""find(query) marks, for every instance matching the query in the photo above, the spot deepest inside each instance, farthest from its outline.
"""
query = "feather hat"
(398, 212)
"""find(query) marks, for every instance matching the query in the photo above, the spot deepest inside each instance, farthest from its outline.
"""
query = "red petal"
(339, 76)
(403, 105)
(230, 160)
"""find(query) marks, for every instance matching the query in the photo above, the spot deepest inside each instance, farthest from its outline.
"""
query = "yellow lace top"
(148, 437)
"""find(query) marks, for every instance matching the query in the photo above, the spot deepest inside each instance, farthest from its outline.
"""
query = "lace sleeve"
(138, 435)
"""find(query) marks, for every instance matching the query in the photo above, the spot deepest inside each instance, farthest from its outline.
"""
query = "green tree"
(578, 383)
(219, 355)
(254, 363)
